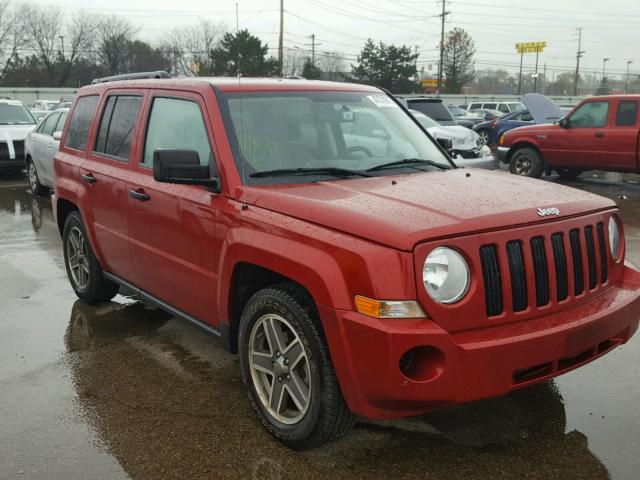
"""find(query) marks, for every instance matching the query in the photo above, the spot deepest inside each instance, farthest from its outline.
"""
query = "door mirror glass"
(57, 136)
(172, 165)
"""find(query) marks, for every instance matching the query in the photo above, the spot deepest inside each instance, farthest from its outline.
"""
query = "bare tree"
(114, 34)
(12, 33)
(293, 63)
(190, 46)
(81, 35)
(332, 64)
(457, 62)
(43, 27)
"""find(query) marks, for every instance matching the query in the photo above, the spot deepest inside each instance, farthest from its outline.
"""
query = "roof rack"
(132, 76)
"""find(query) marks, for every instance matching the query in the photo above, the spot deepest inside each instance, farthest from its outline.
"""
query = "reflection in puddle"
(167, 402)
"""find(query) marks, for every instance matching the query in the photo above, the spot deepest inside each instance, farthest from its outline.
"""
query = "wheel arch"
(519, 145)
(63, 208)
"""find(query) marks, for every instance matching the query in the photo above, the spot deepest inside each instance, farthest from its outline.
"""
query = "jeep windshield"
(15, 114)
(306, 136)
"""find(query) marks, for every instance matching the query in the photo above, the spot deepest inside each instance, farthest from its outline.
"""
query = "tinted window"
(590, 115)
(80, 123)
(475, 106)
(490, 106)
(60, 125)
(627, 113)
(434, 110)
(176, 123)
(50, 124)
(117, 125)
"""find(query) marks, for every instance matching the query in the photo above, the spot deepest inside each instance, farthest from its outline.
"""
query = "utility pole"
(520, 77)
(443, 17)
(61, 37)
(544, 77)
(535, 76)
(313, 46)
(579, 54)
(626, 81)
(281, 40)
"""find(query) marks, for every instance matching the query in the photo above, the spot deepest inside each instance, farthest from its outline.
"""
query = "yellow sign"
(531, 47)
(429, 82)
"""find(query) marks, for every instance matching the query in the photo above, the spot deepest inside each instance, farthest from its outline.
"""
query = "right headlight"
(446, 275)
(614, 238)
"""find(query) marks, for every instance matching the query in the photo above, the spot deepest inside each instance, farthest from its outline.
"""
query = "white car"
(502, 107)
(42, 108)
(467, 148)
(16, 122)
(42, 144)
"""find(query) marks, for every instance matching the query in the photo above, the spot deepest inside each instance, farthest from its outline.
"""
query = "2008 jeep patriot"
(380, 283)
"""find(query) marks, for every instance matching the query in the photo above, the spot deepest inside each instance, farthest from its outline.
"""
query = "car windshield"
(425, 121)
(15, 114)
(457, 111)
(305, 136)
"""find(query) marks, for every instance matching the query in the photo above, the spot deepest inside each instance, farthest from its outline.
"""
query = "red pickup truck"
(351, 282)
(601, 133)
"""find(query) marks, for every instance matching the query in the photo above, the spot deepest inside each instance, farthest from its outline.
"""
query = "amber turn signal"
(388, 309)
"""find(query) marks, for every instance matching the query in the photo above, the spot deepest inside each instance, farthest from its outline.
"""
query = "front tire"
(484, 136)
(34, 180)
(83, 269)
(287, 369)
(527, 162)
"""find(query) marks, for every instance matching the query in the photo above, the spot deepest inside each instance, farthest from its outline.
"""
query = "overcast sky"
(611, 28)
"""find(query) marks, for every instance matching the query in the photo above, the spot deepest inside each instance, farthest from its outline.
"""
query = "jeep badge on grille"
(543, 212)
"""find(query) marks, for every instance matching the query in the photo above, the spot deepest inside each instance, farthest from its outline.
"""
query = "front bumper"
(501, 153)
(488, 162)
(473, 364)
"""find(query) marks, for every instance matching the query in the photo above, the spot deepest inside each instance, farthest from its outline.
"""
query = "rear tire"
(287, 313)
(84, 271)
(34, 180)
(526, 162)
(568, 173)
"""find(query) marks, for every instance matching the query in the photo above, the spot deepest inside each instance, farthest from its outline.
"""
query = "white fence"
(29, 95)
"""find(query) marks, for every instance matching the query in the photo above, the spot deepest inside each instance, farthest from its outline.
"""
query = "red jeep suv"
(320, 232)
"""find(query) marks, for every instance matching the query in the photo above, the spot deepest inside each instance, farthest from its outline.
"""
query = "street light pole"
(604, 66)
(626, 81)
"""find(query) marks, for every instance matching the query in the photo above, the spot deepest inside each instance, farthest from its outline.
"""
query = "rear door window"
(627, 113)
(177, 123)
(61, 120)
(117, 125)
(80, 123)
(490, 106)
(503, 108)
(475, 106)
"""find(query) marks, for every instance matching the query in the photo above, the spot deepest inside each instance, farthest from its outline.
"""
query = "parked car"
(503, 107)
(432, 108)
(545, 109)
(486, 115)
(466, 149)
(463, 118)
(41, 146)
(16, 121)
(601, 133)
(350, 284)
(42, 108)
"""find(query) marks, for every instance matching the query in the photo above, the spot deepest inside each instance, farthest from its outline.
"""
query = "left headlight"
(446, 275)
(614, 238)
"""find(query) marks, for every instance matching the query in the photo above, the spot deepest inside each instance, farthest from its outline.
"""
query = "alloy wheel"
(78, 258)
(279, 369)
(33, 177)
(523, 164)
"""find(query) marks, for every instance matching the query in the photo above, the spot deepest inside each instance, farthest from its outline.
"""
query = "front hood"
(424, 206)
(461, 138)
(541, 108)
(15, 132)
(530, 130)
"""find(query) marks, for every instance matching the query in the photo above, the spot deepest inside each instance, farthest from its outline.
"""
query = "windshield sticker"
(381, 101)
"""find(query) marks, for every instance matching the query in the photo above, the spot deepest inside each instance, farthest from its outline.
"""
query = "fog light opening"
(422, 364)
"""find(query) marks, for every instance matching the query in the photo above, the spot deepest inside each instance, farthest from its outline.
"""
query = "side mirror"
(57, 136)
(445, 143)
(172, 165)
(564, 123)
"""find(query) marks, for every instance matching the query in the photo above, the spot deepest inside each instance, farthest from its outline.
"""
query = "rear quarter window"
(80, 122)
(627, 113)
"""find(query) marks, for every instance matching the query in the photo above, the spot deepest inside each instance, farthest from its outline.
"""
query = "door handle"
(139, 195)
(599, 134)
(89, 178)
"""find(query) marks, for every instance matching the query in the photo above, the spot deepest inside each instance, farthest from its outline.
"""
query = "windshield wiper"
(409, 162)
(332, 171)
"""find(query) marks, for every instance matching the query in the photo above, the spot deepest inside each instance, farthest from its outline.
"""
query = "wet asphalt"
(123, 391)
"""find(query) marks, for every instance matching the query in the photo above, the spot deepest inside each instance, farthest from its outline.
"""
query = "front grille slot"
(603, 253)
(540, 270)
(518, 277)
(492, 280)
(576, 254)
(591, 256)
(560, 262)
